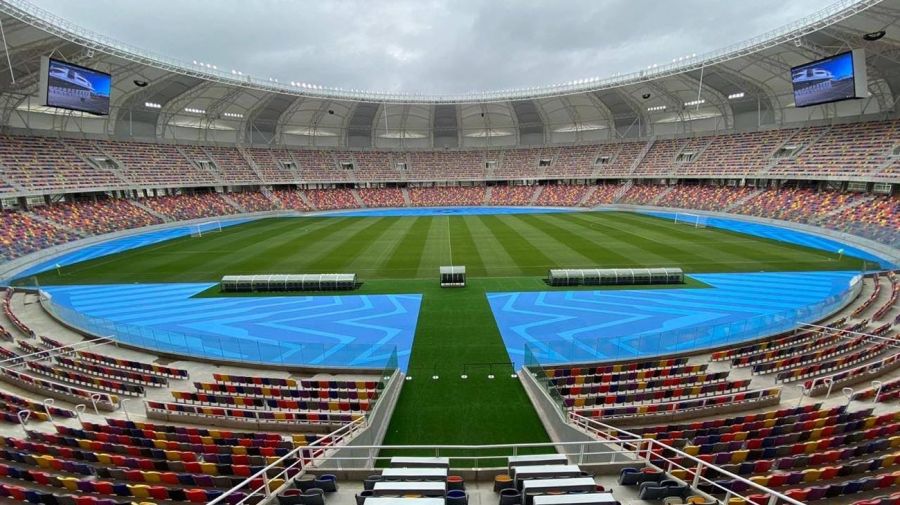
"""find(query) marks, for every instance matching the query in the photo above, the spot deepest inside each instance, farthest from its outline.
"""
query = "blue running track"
(580, 326)
(330, 331)
(783, 235)
(118, 245)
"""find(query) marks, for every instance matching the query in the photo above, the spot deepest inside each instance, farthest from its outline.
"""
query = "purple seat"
(816, 493)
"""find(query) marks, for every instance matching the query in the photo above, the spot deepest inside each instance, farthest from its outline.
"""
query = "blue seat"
(852, 486)
(32, 496)
(326, 482)
(212, 494)
(457, 497)
(121, 489)
(834, 490)
(664, 489)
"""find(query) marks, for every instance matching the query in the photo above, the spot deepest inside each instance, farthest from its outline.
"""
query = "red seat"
(797, 494)
(195, 495)
(159, 492)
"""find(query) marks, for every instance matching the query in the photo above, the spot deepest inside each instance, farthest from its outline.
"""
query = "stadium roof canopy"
(745, 86)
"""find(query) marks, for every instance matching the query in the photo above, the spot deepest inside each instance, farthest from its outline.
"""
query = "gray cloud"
(443, 46)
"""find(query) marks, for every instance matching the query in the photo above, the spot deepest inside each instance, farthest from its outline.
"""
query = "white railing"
(694, 468)
(65, 29)
(611, 445)
(292, 464)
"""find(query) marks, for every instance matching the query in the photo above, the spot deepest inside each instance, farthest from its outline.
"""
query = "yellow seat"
(70, 483)
(153, 477)
(692, 450)
(736, 501)
(43, 460)
(139, 490)
(274, 484)
(811, 474)
(173, 455)
(209, 468)
(762, 480)
(739, 456)
(104, 458)
(239, 449)
(895, 441)
(679, 474)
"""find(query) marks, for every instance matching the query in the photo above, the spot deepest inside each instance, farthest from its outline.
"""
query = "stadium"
(677, 285)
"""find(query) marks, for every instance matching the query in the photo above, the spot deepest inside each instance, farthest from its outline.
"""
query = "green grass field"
(414, 248)
(456, 329)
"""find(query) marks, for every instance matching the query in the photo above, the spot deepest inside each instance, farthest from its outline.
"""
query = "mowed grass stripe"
(435, 252)
(698, 240)
(648, 237)
(497, 261)
(176, 260)
(638, 250)
(527, 257)
(593, 245)
(375, 254)
(282, 240)
(350, 246)
(404, 259)
(463, 247)
(749, 253)
(562, 248)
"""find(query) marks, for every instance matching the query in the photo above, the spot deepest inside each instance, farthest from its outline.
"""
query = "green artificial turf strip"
(456, 335)
(456, 330)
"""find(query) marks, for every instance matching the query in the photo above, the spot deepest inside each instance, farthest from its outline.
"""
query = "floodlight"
(873, 36)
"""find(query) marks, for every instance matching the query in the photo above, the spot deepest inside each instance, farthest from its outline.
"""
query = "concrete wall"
(556, 423)
(378, 421)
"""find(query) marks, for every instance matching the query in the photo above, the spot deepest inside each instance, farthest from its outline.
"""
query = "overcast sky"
(446, 46)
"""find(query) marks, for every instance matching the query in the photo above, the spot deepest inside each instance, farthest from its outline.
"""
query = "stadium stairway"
(850, 205)
(150, 211)
(54, 224)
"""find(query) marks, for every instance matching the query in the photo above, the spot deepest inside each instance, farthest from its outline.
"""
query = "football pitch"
(518, 245)
(456, 330)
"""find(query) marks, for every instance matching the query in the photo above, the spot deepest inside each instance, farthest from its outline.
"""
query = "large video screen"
(829, 80)
(75, 87)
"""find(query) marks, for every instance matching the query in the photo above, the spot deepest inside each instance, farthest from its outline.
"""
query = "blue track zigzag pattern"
(331, 331)
(580, 326)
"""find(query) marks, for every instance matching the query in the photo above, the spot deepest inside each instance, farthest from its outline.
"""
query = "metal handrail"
(617, 442)
(657, 448)
(332, 439)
